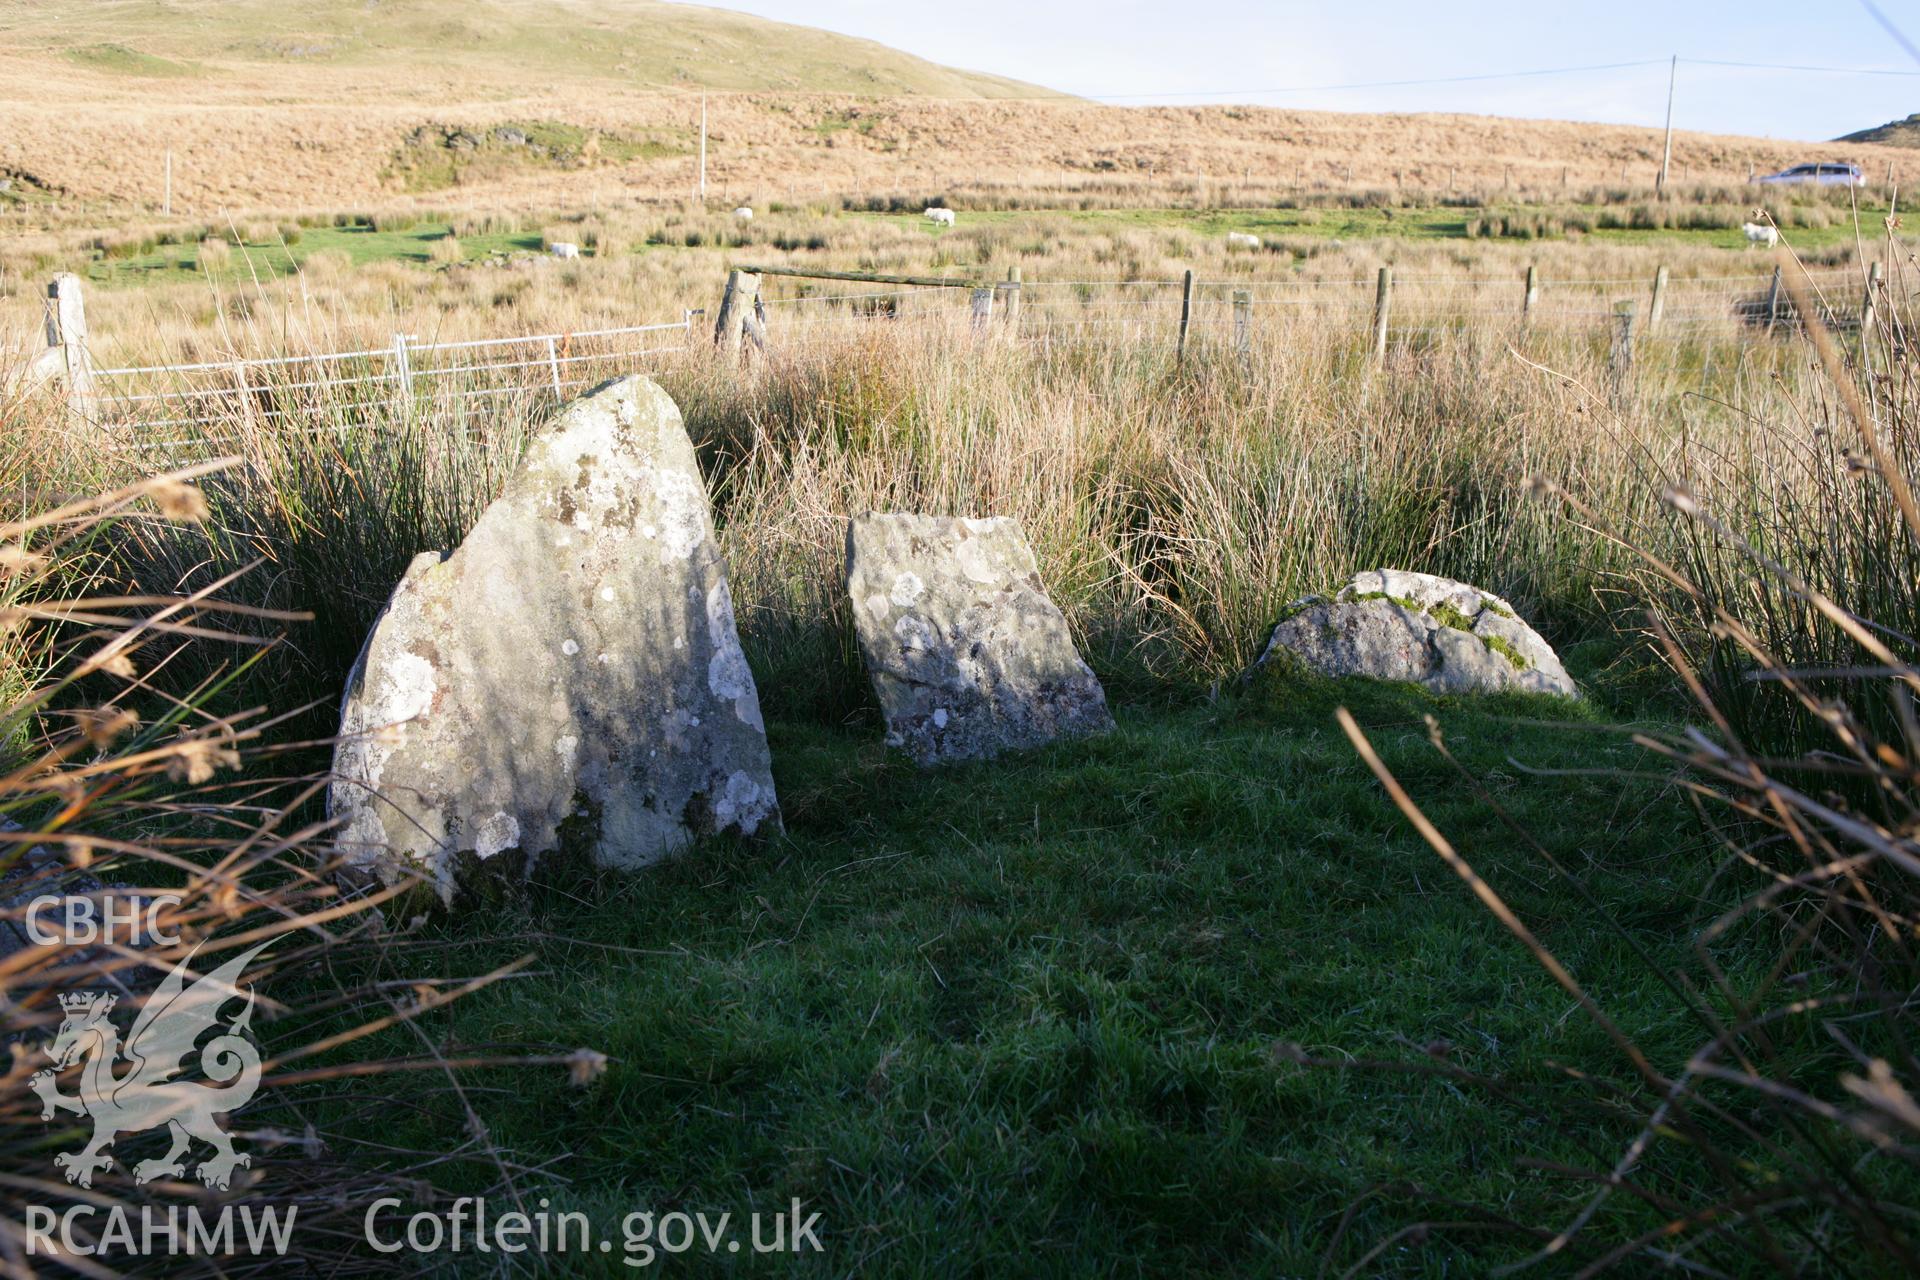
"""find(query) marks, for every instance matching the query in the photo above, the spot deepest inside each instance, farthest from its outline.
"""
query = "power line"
(1787, 66)
(1498, 75)
(1385, 84)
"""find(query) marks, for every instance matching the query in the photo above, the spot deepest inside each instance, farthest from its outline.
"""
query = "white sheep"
(743, 214)
(940, 217)
(1242, 240)
(562, 249)
(1759, 234)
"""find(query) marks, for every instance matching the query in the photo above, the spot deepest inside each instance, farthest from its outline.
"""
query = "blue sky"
(1156, 50)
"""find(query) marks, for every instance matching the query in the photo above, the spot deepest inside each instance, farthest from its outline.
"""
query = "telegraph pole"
(1666, 157)
(703, 148)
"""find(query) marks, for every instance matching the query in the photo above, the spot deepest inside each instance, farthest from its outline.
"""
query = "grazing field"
(1192, 992)
(1288, 975)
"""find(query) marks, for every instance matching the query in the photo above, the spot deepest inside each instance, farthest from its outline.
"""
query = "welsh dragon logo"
(145, 1095)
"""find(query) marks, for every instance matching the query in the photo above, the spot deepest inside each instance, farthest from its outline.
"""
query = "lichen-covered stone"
(569, 679)
(969, 657)
(1393, 625)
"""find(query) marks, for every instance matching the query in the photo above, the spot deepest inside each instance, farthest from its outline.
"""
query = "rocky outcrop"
(569, 680)
(968, 656)
(1446, 635)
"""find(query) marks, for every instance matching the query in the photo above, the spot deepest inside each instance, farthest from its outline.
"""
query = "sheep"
(562, 249)
(1759, 234)
(743, 214)
(940, 217)
(1242, 240)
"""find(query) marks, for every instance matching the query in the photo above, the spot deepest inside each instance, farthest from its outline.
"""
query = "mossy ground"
(1031, 1016)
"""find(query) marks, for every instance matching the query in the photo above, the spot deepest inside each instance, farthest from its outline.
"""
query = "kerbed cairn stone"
(1392, 625)
(568, 680)
(968, 656)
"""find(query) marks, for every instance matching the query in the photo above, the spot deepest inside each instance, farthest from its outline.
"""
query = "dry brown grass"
(303, 136)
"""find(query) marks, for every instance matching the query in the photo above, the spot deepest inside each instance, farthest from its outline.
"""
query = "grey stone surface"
(1393, 625)
(968, 656)
(569, 679)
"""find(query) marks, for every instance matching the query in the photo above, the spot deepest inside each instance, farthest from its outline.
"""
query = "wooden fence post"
(736, 304)
(1531, 296)
(1620, 358)
(1773, 301)
(982, 307)
(1186, 313)
(1382, 299)
(1658, 307)
(1243, 323)
(67, 330)
(1010, 293)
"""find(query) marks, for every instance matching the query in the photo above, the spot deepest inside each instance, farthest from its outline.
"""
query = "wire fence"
(1737, 308)
(171, 405)
(168, 406)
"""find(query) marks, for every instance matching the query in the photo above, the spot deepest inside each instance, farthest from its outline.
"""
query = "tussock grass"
(108, 787)
(1195, 979)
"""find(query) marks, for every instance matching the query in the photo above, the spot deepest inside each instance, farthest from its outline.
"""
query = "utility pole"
(1666, 158)
(703, 148)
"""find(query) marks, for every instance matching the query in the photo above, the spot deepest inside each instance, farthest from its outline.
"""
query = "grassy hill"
(508, 44)
(1894, 133)
(266, 106)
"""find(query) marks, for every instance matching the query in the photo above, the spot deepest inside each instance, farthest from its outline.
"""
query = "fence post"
(67, 330)
(553, 365)
(1243, 322)
(1531, 296)
(982, 307)
(1382, 298)
(1010, 291)
(743, 288)
(1186, 313)
(403, 372)
(1773, 300)
(1620, 358)
(1658, 307)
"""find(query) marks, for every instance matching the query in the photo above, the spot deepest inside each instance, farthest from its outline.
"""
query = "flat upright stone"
(1393, 625)
(568, 679)
(968, 656)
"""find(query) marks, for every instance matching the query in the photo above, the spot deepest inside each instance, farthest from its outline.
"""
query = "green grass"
(1027, 1017)
(361, 244)
(435, 168)
(1438, 223)
(122, 60)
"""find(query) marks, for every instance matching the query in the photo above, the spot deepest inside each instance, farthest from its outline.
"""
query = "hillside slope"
(1894, 133)
(541, 104)
(510, 46)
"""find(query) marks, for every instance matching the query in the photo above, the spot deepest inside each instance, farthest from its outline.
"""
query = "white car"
(1825, 175)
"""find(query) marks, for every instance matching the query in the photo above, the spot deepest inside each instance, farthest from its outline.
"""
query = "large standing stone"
(1446, 635)
(569, 678)
(968, 656)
